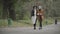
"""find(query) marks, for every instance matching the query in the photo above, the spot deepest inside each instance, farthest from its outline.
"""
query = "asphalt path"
(49, 29)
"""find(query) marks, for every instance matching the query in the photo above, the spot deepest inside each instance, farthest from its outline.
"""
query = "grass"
(24, 23)
(3, 23)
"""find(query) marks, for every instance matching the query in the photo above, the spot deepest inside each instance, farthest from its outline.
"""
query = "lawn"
(24, 23)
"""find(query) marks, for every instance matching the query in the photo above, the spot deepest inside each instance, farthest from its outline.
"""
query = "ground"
(49, 29)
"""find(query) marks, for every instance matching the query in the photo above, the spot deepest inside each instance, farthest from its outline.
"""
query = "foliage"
(23, 8)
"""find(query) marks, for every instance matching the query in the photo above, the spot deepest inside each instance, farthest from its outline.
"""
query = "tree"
(5, 6)
(8, 9)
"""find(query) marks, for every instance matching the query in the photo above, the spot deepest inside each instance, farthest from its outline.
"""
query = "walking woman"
(40, 16)
(33, 16)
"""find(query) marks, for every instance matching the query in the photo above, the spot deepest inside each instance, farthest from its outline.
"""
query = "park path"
(49, 29)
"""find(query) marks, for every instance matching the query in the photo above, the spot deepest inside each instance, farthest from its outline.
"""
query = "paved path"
(50, 29)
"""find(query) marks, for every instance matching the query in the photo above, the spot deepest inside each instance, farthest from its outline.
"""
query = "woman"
(33, 15)
(40, 16)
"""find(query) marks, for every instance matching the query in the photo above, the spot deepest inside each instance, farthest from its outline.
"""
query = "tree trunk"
(5, 12)
(8, 5)
(12, 13)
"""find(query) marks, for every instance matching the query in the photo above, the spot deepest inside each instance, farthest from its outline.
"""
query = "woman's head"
(39, 7)
(34, 7)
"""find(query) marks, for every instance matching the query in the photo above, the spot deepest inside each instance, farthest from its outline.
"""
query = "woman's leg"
(35, 24)
(40, 25)
(40, 22)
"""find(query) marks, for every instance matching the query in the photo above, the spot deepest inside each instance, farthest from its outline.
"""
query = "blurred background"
(17, 13)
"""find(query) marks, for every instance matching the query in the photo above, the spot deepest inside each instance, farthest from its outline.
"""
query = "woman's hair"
(34, 7)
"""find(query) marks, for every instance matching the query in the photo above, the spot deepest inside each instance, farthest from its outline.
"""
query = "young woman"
(40, 16)
(33, 16)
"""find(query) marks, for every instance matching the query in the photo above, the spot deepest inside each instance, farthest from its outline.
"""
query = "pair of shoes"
(40, 28)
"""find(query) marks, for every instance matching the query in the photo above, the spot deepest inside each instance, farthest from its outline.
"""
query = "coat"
(33, 16)
(40, 14)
